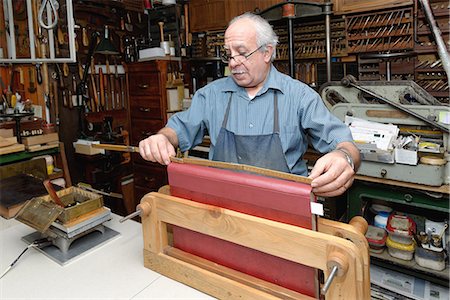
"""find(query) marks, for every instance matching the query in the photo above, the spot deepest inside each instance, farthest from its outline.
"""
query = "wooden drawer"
(144, 83)
(142, 128)
(151, 66)
(146, 108)
(149, 178)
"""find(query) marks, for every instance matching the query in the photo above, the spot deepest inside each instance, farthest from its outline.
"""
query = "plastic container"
(400, 250)
(376, 237)
(430, 259)
(401, 228)
(381, 219)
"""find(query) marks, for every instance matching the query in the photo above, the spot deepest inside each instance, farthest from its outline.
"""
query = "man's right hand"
(157, 148)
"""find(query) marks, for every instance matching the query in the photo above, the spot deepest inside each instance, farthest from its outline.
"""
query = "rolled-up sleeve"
(189, 125)
(324, 129)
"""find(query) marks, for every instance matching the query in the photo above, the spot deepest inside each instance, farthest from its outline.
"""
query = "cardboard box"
(405, 156)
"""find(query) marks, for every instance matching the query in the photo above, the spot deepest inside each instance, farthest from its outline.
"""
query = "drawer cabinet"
(148, 114)
(142, 129)
(145, 107)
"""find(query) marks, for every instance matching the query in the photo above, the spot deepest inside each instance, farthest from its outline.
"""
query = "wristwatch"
(348, 157)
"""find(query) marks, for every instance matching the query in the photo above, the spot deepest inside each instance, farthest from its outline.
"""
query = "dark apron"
(262, 151)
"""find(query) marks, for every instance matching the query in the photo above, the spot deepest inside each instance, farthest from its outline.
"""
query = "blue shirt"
(303, 117)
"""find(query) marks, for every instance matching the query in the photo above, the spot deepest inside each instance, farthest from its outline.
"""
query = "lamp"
(105, 46)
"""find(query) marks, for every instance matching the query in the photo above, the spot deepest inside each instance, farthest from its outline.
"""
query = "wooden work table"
(114, 270)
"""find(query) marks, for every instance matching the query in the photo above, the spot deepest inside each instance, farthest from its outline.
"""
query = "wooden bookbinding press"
(240, 232)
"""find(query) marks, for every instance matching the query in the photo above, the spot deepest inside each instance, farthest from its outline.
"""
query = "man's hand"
(157, 148)
(332, 175)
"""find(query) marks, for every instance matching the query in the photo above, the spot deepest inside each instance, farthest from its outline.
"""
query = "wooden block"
(6, 133)
(40, 139)
(4, 142)
(10, 212)
(12, 149)
(34, 148)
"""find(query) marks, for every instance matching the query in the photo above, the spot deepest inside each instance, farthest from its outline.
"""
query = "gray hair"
(265, 35)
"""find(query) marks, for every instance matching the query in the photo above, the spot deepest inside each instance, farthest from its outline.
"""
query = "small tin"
(400, 250)
(401, 228)
(430, 259)
(376, 237)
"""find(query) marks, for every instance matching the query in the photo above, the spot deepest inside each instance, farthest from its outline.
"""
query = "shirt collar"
(272, 82)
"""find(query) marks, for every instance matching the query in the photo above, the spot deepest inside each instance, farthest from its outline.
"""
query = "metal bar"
(328, 46)
(330, 278)
(327, 10)
(71, 30)
(12, 33)
(51, 38)
(442, 49)
(349, 80)
(291, 47)
(31, 29)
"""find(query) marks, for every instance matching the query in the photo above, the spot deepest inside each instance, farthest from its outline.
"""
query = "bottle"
(381, 219)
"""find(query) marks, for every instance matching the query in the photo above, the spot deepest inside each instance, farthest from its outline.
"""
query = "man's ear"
(268, 53)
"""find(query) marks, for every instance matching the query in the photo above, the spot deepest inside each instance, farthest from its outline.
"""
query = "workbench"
(113, 270)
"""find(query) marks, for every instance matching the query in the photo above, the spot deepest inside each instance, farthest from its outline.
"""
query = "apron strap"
(227, 112)
(276, 124)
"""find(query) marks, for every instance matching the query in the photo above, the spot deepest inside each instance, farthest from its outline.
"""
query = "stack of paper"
(374, 140)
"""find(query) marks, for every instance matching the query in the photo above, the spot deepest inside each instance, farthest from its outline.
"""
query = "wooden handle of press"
(360, 224)
(51, 191)
(337, 258)
(161, 30)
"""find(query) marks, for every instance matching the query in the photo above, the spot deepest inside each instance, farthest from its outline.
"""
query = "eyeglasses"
(239, 58)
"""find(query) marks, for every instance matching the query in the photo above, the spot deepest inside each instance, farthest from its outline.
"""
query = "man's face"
(240, 39)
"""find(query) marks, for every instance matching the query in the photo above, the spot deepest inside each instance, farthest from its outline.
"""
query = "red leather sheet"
(270, 198)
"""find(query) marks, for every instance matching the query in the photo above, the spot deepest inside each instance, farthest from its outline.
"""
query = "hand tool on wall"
(74, 90)
(122, 91)
(94, 88)
(32, 87)
(106, 91)
(116, 85)
(38, 73)
(110, 78)
(85, 37)
(66, 70)
(54, 100)
(61, 84)
(102, 90)
(161, 31)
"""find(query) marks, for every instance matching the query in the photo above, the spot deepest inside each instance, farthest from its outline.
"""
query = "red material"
(270, 198)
